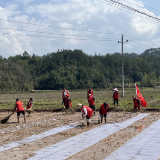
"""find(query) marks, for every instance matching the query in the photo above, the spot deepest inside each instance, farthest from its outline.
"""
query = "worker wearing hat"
(86, 112)
(115, 96)
(20, 109)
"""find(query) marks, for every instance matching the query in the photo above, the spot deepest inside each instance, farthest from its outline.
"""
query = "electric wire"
(137, 46)
(138, 43)
(52, 33)
(130, 10)
(133, 9)
(58, 37)
(139, 40)
(124, 9)
(71, 35)
(67, 28)
(43, 25)
(144, 5)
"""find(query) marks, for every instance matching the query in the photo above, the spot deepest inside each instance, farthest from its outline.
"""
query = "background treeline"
(77, 70)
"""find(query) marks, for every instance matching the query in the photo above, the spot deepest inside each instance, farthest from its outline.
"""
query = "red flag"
(139, 95)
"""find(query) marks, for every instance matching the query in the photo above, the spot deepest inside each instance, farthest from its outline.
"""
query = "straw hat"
(89, 94)
(79, 105)
(115, 89)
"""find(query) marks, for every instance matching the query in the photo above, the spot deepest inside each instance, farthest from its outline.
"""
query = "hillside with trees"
(77, 70)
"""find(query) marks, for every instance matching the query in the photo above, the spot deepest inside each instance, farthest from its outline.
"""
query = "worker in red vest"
(104, 109)
(20, 109)
(91, 102)
(116, 96)
(136, 103)
(90, 91)
(29, 105)
(64, 93)
(67, 102)
(86, 112)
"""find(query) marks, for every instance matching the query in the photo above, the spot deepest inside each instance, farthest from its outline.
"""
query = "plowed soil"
(40, 122)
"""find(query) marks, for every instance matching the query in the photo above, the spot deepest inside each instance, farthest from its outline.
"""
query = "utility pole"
(122, 66)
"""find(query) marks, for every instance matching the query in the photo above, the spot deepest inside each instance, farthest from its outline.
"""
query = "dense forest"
(77, 70)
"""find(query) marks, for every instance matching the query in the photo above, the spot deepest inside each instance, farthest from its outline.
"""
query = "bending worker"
(86, 111)
(104, 108)
(20, 109)
(137, 104)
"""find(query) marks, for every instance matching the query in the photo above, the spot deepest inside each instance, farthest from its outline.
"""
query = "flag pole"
(136, 89)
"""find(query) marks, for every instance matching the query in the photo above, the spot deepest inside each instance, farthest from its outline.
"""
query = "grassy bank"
(52, 99)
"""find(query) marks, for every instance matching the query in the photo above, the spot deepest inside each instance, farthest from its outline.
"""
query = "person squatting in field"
(67, 102)
(86, 112)
(104, 109)
(91, 102)
(90, 91)
(20, 109)
(115, 96)
(136, 103)
(29, 105)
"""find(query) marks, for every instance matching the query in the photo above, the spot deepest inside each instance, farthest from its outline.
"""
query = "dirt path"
(39, 122)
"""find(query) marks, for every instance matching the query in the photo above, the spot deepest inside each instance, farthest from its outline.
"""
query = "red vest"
(19, 106)
(89, 111)
(67, 103)
(104, 110)
(29, 104)
(115, 95)
(135, 101)
(63, 93)
(91, 100)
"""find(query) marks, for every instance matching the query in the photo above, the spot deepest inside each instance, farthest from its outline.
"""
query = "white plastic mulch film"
(145, 146)
(35, 137)
(73, 145)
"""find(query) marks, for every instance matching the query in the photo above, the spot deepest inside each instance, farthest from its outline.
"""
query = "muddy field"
(40, 122)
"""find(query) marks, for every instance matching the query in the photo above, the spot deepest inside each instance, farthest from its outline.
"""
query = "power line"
(139, 44)
(67, 28)
(70, 35)
(124, 9)
(139, 40)
(43, 25)
(143, 4)
(133, 9)
(121, 5)
(109, 1)
(58, 37)
(52, 33)
(136, 46)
